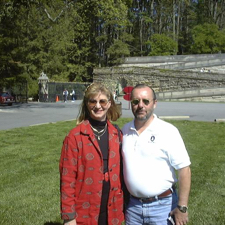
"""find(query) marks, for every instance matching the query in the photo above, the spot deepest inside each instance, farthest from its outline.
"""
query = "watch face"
(182, 208)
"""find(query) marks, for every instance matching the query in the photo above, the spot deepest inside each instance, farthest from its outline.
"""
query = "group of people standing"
(66, 93)
(110, 176)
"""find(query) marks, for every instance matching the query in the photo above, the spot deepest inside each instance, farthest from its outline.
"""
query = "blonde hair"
(113, 112)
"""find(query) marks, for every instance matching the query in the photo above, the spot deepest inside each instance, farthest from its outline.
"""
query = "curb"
(174, 117)
(219, 120)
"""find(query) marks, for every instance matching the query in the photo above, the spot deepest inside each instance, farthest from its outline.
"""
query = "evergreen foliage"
(207, 39)
(67, 39)
(162, 45)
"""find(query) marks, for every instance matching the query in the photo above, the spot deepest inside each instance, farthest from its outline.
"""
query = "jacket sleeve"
(68, 174)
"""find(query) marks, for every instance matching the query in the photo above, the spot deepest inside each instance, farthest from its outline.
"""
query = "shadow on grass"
(53, 223)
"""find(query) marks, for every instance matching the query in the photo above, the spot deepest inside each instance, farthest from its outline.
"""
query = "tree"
(111, 28)
(207, 39)
(117, 51)
(162, 45)
(67, 39)
(211, 11)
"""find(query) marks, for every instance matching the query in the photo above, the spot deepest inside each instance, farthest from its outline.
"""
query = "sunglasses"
(102, 102)
(137, 101)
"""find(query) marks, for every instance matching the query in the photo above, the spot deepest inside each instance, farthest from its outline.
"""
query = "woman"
(90, 168)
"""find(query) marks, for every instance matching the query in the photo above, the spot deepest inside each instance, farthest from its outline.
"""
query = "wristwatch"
(182, 208)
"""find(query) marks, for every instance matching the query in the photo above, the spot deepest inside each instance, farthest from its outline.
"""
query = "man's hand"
(180, 217)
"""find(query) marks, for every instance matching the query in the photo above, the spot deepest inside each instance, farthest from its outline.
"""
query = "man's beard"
(142, 118)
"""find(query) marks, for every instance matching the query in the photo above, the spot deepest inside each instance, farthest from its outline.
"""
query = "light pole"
(43, 87)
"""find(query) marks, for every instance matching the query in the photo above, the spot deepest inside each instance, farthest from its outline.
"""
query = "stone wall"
(161, 80)
(179, 62)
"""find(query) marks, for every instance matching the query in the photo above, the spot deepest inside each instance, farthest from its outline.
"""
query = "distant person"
(152, 150)
(114, 95)
(65, 95)
(73, 95)
(117, 94)
(90, 166)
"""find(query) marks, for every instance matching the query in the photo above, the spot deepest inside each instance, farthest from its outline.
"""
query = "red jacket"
(81, 173)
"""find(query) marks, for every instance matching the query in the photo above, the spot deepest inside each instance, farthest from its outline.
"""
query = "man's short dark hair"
(143, 86)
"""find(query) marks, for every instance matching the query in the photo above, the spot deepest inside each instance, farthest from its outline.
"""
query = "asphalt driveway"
(35, 113)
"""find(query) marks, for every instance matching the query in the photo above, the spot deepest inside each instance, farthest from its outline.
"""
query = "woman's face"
(98, 106)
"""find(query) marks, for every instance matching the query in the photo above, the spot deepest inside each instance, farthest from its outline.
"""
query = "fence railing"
(206, 92)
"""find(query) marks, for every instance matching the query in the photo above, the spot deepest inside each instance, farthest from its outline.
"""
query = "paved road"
(21, 115)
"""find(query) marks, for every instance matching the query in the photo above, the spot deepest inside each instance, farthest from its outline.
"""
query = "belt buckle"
(147, 200)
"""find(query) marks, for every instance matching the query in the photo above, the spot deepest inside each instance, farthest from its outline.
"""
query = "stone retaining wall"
(161, 80)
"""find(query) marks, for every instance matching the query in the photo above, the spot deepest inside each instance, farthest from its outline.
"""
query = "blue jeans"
(154, 213)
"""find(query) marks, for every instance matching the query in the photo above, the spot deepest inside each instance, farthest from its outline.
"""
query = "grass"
(29, 177)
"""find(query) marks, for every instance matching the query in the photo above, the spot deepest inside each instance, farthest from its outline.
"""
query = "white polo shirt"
(149, 159)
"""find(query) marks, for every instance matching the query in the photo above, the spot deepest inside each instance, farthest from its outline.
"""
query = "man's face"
(142, 103)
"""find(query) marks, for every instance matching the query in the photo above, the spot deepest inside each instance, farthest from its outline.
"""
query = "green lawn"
(29, 177)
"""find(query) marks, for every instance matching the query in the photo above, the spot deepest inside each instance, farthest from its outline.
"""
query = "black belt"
(155, 198)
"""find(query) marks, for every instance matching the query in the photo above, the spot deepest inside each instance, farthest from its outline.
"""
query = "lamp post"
(43, 87)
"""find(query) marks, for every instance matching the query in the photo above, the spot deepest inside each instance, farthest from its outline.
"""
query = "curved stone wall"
(161, 81)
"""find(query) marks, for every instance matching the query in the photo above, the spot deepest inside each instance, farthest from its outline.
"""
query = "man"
(152, 150)
(65, 95)
(73, 95)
